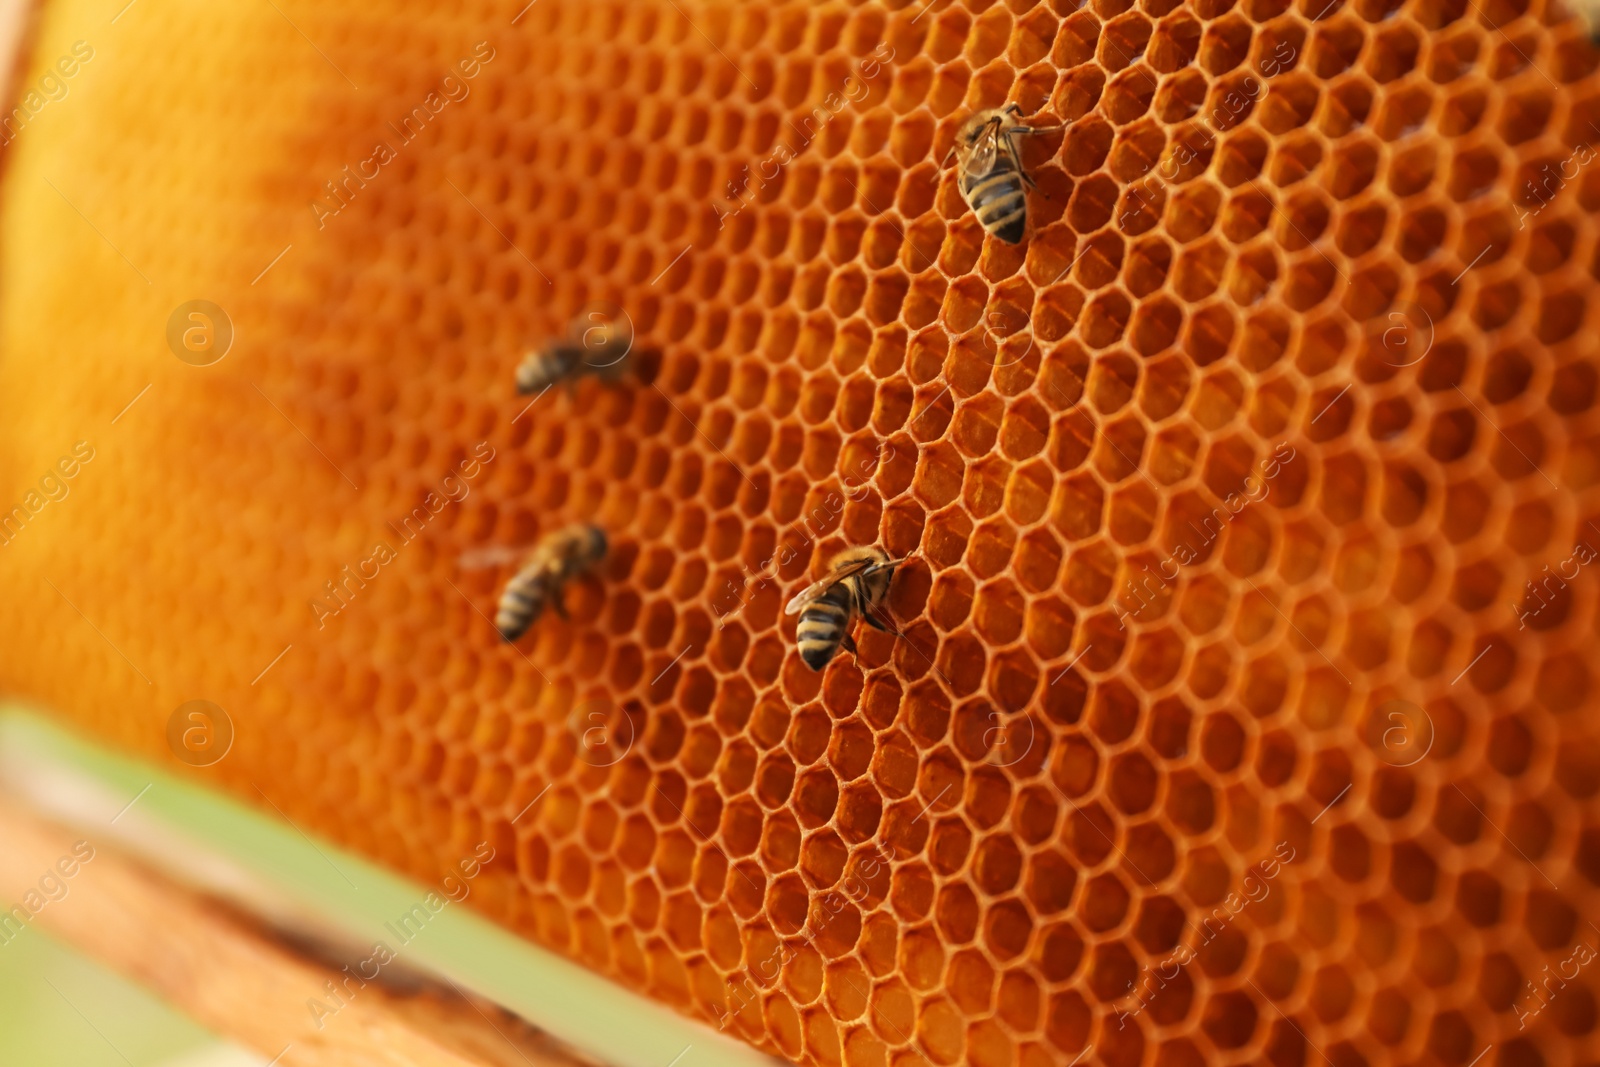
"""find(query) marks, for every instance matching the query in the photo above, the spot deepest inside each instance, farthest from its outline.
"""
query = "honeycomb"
(1242, 713)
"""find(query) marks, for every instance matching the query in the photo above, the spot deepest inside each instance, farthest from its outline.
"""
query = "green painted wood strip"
(583, 1009)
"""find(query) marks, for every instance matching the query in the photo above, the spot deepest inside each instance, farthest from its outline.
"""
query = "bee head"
(974, 127)
(859, 554)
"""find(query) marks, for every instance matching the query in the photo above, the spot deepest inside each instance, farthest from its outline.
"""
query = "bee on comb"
(856, 585)
(991, 178)
(595, 344)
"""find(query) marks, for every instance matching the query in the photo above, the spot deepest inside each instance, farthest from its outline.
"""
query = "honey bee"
(556, 559)
(857, 584)
(595, 344)
(991, 179)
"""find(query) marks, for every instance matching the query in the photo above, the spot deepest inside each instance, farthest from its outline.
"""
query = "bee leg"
(891, 629)
(559, 604)
(864, 609)
(1034, 129)
(1034, 185)
(848, 643)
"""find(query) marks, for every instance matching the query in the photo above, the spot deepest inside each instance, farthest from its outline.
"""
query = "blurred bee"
(556, 559)
(857, 583)
(991, 179)
(594, 344)
(1589, 19)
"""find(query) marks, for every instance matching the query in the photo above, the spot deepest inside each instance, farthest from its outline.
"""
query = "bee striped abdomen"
(822, 626)
(997, 198)
(556, 559)
(520, 605)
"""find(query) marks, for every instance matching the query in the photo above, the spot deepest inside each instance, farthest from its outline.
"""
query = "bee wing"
(486, 556)
(980, 160)
(807, 595)
(828, 581)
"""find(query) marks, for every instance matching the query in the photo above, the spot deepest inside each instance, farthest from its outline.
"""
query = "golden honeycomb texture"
(1226, 727)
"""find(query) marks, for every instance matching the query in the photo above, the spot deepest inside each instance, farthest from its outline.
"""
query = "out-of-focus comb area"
(1227, 727)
